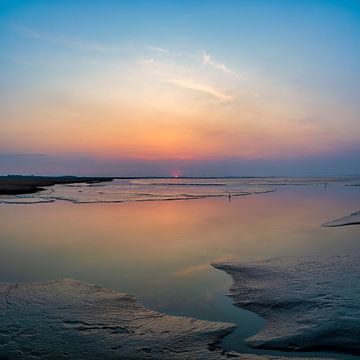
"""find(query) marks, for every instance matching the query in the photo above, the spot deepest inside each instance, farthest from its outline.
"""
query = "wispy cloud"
(207, 59)
(193, 85)
(79, 43)
(156, 49)
(73, 43)
(170, 72)
(149, 47)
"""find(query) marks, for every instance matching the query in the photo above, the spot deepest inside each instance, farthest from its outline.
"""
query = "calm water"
(161, 251)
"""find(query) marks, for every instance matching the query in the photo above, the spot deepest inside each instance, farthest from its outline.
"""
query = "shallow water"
(161, 251)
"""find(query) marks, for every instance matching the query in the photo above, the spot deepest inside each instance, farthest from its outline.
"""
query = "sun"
(176, 173)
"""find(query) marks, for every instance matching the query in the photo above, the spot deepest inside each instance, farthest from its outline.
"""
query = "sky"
(192, 88)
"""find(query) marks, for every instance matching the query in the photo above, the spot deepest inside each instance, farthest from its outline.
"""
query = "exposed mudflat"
(68, 319)
(352, 219)
(127, 190)
(80, 190)
(310, 303)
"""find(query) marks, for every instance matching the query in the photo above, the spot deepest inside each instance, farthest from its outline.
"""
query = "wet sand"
(352, 219)
(91, 322)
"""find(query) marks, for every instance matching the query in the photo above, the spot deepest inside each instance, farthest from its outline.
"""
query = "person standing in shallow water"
(229, 196)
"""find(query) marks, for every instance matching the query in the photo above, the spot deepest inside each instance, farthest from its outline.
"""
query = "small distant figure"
(325, 186)
(229, 196)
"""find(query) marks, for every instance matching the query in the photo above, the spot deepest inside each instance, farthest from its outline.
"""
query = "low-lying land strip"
(18, 184)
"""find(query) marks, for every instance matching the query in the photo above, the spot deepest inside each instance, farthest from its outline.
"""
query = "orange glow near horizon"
(147, 134)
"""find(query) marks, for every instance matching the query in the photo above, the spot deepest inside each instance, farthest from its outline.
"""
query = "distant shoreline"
(19, 184)
(29, 184)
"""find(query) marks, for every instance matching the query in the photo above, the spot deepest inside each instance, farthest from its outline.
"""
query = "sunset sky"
(126, 88)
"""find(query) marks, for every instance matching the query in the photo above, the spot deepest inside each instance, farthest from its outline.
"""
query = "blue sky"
(203, 87)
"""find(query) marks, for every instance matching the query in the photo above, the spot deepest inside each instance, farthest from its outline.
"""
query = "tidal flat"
(161, 252)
